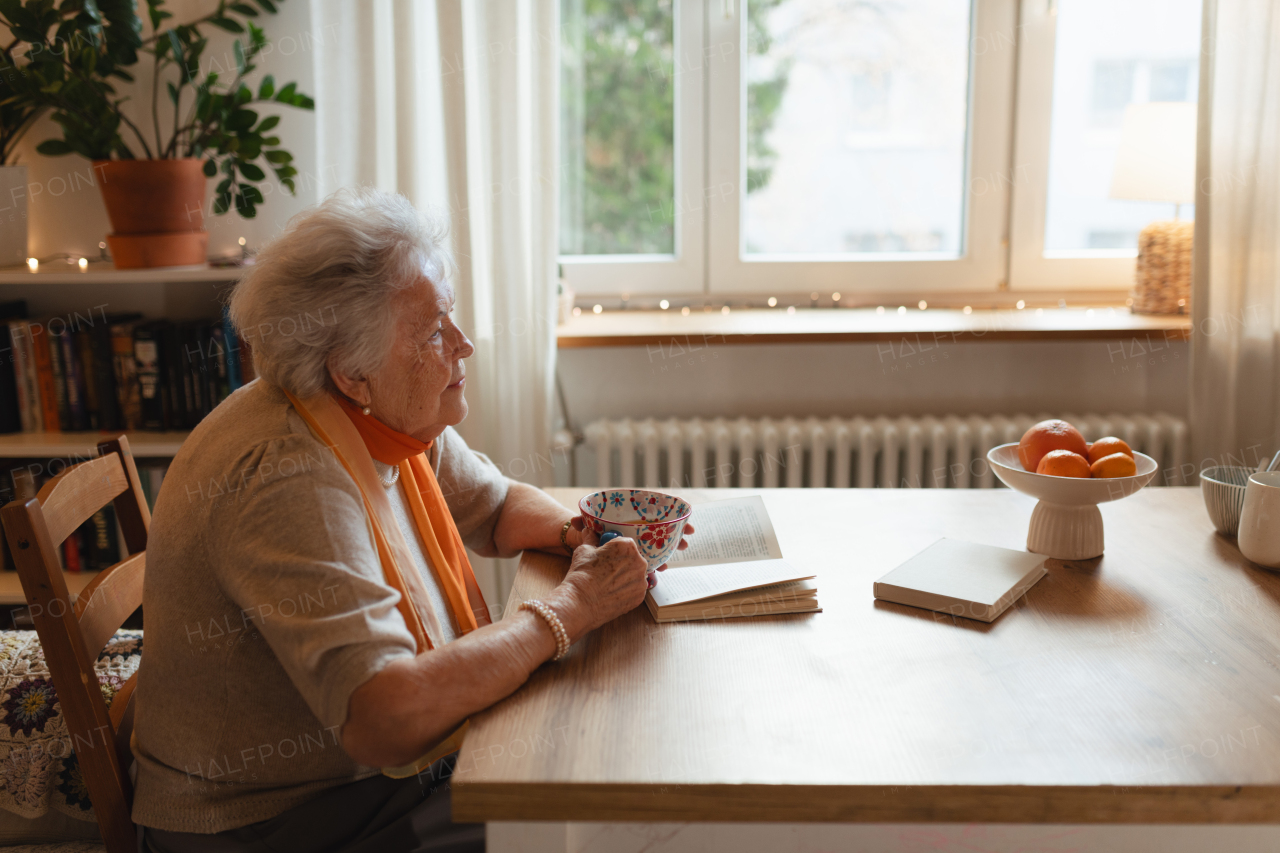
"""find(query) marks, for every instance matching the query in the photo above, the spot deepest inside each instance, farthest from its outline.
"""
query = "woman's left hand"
(578, 534)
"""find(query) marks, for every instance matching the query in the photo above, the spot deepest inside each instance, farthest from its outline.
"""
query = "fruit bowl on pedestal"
(1066, 523)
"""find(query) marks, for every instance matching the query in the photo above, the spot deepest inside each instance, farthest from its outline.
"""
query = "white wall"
(66, 214)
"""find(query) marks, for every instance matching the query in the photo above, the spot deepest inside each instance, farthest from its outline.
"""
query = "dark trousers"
(374, 815)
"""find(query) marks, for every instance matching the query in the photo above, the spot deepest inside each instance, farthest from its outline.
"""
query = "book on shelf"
(732, 568)
(98, 543)
(114, 372)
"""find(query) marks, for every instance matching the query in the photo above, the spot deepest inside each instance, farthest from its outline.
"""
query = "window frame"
(982, 263)
(684, 271)
(1011, 84)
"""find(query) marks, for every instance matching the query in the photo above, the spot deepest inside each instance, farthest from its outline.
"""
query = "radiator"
(878, 452)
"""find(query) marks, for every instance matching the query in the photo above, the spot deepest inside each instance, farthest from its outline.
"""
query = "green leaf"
(243, 95)
(176, 44)
(285, 95)
(210, 168)
(252, 172)
(238, 49)
(241, 120)
(251, 193)
(279, 157)
(244, 9)
(304, 102)
(268, 6)
(221, 203)
(54, 148)
(173, 92)
(268, 88)
(268, 123)
(227, 24)
(224, 187)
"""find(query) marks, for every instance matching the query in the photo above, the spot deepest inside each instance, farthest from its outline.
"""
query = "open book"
(733, 567)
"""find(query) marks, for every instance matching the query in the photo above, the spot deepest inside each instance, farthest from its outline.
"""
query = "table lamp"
(1156, 161)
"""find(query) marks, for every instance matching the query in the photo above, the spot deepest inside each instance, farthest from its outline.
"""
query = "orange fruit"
(1107, 446)
(1114, 465)
(1046, 436)
(1063, 463)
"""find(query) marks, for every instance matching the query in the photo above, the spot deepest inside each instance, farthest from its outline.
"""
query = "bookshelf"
(145, 445)
(11, 594)
(100, 273)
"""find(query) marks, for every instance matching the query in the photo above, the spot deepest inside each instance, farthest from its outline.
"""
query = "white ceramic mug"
(1259, 536)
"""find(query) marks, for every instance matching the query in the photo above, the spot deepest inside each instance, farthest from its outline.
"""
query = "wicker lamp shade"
(1162, 278)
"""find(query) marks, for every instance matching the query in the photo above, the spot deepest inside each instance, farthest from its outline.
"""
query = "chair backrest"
(73, 632)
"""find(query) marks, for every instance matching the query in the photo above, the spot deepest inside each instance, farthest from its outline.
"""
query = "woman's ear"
(351, 387)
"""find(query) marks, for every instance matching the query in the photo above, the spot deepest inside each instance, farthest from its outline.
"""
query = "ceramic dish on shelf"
(654, 519)
(1066, 523)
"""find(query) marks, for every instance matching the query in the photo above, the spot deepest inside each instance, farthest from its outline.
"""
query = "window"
(631, 145)
(875, 146)
(1067, 233)
(855, 101)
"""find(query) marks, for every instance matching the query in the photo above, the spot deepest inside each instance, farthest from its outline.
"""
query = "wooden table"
(1140, 688)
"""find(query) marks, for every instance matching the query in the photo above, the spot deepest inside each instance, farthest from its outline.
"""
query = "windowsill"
(864, 325)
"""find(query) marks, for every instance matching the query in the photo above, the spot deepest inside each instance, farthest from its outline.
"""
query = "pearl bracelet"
(553, 622)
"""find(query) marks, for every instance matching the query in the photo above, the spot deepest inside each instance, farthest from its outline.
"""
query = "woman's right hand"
(602, 584)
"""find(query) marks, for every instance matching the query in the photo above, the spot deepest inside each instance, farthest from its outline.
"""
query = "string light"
(664, 305)
(902, 309)
(773, 302)
(922, 304)
(1022, 303)
(577, 312)
(684, 312)
(33, 264)
(791, 309)
(1039, 311)
(835, 297)
(724, 310)
(596, 309)
(83, 263)
(879, 309)
(968, 309)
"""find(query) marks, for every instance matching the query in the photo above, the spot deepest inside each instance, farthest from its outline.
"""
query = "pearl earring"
(367, 410)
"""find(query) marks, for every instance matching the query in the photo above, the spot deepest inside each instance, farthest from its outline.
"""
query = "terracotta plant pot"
(156, 209)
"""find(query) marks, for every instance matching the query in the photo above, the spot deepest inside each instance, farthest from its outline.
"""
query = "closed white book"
(962, 579)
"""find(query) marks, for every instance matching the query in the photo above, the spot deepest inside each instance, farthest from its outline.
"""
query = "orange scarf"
(357, 439)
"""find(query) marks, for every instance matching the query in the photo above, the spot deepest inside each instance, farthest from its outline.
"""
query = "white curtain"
(453, 103)
(1236, 297)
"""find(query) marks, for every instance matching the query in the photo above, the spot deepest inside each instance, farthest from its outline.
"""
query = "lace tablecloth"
(38, 767)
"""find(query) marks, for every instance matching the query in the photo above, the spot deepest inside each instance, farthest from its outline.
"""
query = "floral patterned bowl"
(653, 519)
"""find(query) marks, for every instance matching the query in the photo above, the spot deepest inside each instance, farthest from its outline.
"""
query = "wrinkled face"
(419, 391)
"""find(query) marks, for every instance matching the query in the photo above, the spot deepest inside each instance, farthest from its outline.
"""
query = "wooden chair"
(73, 633)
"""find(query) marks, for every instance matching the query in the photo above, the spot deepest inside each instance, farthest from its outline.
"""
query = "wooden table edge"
(1023, 804)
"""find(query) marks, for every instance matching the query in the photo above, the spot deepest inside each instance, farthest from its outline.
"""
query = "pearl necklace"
(395, 475)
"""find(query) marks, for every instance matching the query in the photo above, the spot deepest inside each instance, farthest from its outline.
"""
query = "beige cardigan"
(265, 609)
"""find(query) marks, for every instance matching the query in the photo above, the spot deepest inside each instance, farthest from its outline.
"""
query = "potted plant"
(18, 111)
(153, 176)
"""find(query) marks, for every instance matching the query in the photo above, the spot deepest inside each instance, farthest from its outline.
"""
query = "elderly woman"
(316, 639)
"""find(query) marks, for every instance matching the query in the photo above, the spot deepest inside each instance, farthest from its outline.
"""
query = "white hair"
(326, 286)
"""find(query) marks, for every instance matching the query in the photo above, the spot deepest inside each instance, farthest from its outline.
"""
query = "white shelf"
(36, 444)
(11, 586)
(57, 272)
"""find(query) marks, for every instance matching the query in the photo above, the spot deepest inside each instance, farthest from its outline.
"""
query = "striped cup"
(1223, 488)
